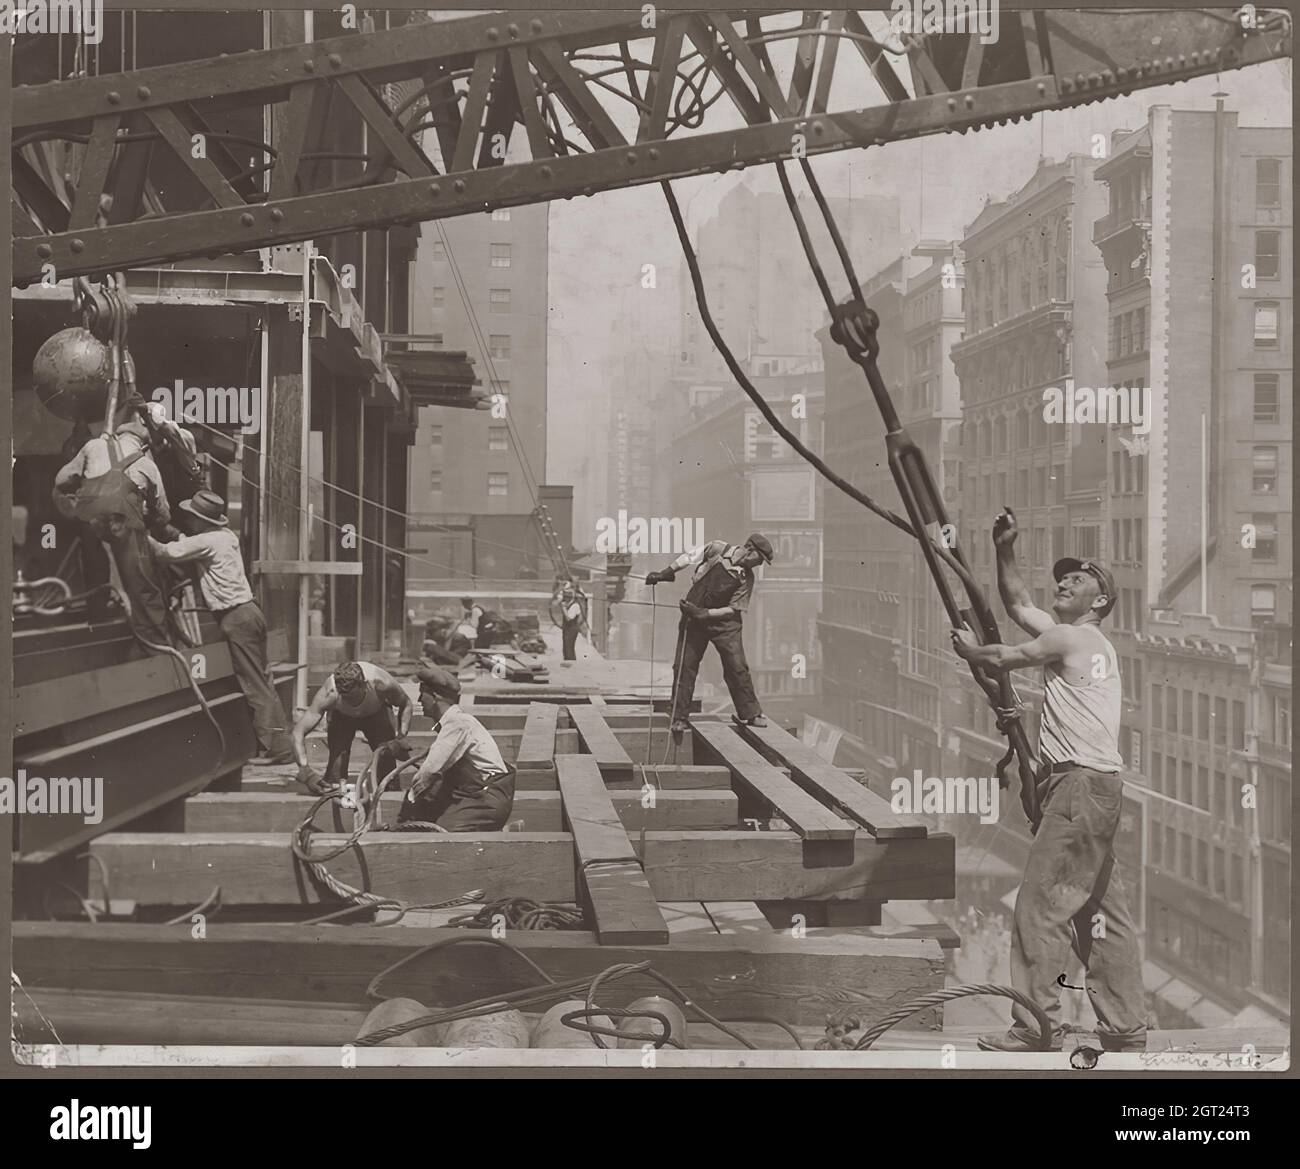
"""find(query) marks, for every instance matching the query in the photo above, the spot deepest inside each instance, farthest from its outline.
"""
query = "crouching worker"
(356, 697)
(463, 785)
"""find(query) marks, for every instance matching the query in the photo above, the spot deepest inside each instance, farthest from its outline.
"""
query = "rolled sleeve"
(740, 598)
(450, 745)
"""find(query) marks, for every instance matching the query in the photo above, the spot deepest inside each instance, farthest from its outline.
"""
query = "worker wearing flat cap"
(463, 785)
(721, 585)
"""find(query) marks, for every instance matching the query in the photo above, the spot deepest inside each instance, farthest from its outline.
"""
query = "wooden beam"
(537, 747)
(540, 811)
(830, 783)
(611, 882)
(810, 819)
(599, 741)
(181, 869)
(798, 980)
(308, 567)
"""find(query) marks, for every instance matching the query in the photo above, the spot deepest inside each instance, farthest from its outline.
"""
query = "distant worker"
(463, 785)
(214, 550)
(1071, 880)
(471, 618)
(721, 586)
(356, 697)
(574, 621)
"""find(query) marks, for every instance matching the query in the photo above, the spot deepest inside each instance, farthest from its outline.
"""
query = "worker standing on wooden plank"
(355, 698)
(721, 586)
(1072, 894)
(214, 549)
(575, 621)
(463, 785)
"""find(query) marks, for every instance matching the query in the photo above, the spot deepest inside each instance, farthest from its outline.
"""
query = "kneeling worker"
(463, 785)
(356, 697)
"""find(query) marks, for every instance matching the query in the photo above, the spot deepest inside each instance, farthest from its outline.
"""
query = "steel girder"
(638, 107)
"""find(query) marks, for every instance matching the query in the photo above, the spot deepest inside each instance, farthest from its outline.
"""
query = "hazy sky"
(599, 244)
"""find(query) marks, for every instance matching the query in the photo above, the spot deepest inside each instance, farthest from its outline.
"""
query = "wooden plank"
(256, 868)
(687, 919)
(599, 741)
(537, 747)
(799, 980)
(540, 811)
(830, 783)
(738, 917)
(810, 819)
(612, 882)
(663, 777)
(822, 913)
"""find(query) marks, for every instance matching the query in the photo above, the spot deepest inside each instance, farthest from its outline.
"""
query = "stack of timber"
(663, 846)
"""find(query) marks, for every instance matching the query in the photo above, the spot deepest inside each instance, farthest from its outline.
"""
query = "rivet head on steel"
(144, 93)
(458, 186)
(1196, 58)
(535, 25)
(78, 245)
(246, 219)
(335, 60)
(1122, 73)
(547, 172)
(512, 29)
(952, 103)
(114, 97)
(1169, 62)
(435, 189)
(493, 34)
(309, 66)
(818, 128)
(969, 101)
(276, 215)
(1094, 79)
(1042, 89)
(630, 158)
(1066, 85)
(654, 153)
(44, 251)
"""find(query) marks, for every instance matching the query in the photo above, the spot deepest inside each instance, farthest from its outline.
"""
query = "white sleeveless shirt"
(1080, 724)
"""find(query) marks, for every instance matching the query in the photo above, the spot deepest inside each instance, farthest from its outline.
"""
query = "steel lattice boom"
(602, 102)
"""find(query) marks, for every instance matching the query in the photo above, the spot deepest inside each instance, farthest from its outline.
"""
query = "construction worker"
(721, 586)
(356, 697)
(463, 785)
(113, 484)
(574, 621)
(471, 617)
(214, 550)
(1072, 894)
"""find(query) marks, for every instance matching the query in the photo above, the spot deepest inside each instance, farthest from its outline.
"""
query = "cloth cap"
(1098, 572)
(437, 681)
(761, 544)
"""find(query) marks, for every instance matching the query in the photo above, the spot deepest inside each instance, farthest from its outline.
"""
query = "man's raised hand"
(1005, 530)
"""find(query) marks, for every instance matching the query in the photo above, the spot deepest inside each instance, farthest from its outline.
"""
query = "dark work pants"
(244, 629)
(458, 810)
(340, 731)
(1072, 896)
(569, 634)
(693, 638)
(141, 579)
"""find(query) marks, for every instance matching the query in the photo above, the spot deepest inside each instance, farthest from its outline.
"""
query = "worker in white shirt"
(463, 785)
(575, 621)
(214, 549)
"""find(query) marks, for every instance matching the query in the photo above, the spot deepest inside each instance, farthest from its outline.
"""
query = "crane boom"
(635, 101)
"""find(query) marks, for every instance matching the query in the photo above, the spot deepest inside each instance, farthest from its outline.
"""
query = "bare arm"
(390, 690)
(1015, 596)
(320, 706)
(1050, 646)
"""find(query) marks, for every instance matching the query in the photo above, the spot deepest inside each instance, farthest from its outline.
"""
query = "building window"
(499, 300)
(498, 483)
(1239, 725)
(500, 254)
(1263, 603)
(1157, 706)
(1139, 542)
(1267, 254)
(435, 481)
(499, 345)
(1058, 483)
(1219, 808)
(1188, 727)
(439, 250)
(1266, 324)
(1203, 717)
(498, 438)
(1185, 782)
(439, 296)
(1282, 721)
(501, 215)
(1265, 549)
(435, 436)
(1171, 708)
(1221, 721)
(1266, 397)
(1268, 182)
(1264, 470)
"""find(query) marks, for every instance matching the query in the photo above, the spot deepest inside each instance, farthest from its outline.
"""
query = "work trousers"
(244, 629)
(693, 638)
(569, 636)
(141, 582)
(340, 730)
(459, 808)
(1073, 896)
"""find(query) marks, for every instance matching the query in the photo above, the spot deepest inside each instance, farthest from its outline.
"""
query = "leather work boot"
(680, 726)
(757, 721)
(1018, 1041)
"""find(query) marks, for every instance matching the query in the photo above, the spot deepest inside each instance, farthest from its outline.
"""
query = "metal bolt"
(1108, 77)
(335, 60)
(1122, 73)
(1169, 62)
(78, 245)
(512, 29)
(44, 251)
(818, 128)
(276, 215)
(144, 93)
(493, 34)
(1066, 85)
(458, 186)
(435, 190)
(654, 153)
(630, 157)
(547, 172)
(535, 25)
(1042, 89)
(1196, 58)
(969, 101)
(246, 219)
(309, 66)
(952, 103)
(114, 97)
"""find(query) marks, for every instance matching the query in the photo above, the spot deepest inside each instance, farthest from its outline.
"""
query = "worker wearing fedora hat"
(214, 549)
